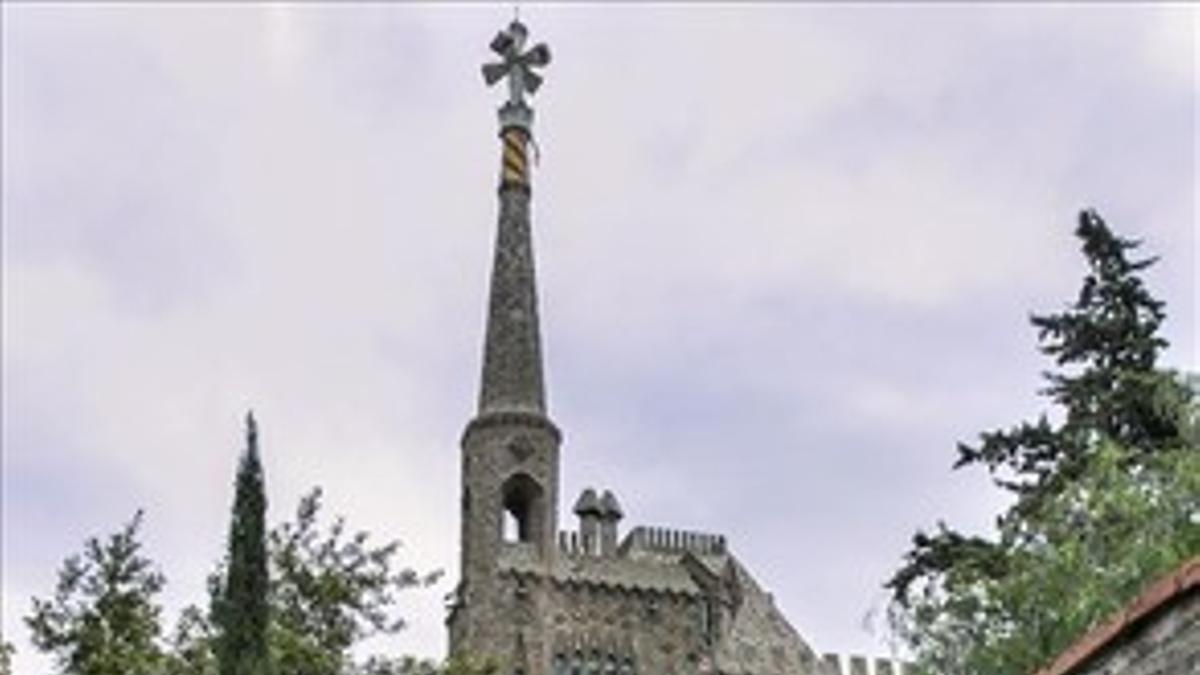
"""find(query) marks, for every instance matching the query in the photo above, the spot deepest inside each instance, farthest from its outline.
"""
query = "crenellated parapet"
(574, 544)
(859, 665)
(669, 540)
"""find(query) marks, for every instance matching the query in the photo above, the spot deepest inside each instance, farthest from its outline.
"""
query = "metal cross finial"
(516, 65)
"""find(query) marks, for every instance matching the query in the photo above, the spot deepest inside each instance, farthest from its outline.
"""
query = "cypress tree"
(241, 609)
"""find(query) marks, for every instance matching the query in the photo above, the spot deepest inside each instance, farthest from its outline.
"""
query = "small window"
(512, 527)
(707, 625)
(522, 509)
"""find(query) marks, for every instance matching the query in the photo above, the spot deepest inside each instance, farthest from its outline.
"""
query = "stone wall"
(1166, 643)
(654, 632)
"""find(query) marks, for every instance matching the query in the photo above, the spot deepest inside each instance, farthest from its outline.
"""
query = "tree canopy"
(1106, 497)
(291, 601)
(103, 618)
(331, 590)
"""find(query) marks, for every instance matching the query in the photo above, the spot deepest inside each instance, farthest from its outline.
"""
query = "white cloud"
(291, 208)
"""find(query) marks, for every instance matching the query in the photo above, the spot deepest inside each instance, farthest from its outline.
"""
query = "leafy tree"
(407, 665)
(1077, 559)
(1105, 499)
(328, 591)
(241, 609)
(331, 590)
(6, 652)
(103, 619)
(191, 645)
(295, 600)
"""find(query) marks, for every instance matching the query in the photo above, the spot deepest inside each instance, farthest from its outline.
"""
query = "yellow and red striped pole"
(514, 167)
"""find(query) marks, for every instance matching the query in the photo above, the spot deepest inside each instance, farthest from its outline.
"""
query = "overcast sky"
(786, 257)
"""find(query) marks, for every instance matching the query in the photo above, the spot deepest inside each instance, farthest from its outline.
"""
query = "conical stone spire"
(512, 359)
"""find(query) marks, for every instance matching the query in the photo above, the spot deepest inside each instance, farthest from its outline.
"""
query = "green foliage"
(6, 652)
(1077, 559)
(191, 645)
(330, 591)
(294, 601)
(407, 665)
(1106, 499)
(466, 664)
(103, 619)
(241, 610)
(1106, 347)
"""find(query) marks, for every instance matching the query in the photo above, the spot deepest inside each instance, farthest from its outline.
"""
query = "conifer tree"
(1106, 494)
(1106, 346)
(241, 606)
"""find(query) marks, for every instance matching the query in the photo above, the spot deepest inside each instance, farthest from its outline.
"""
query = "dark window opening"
(522, 509)
(514, 528)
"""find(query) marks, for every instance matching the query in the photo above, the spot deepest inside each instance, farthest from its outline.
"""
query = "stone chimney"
(610, 515)
(588, 508)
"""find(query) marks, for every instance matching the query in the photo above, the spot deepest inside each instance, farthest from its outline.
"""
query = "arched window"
(522, 499)
(577, 663)
(560, 664)
(512, 526)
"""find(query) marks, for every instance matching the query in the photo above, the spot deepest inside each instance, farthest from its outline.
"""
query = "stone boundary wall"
(860, 665)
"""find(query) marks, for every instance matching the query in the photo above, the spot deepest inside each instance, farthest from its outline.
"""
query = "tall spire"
(512, 359)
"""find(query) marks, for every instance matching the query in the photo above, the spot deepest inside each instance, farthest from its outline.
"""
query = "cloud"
(785, 257)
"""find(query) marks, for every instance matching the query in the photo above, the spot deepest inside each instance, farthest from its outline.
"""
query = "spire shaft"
(512, 360)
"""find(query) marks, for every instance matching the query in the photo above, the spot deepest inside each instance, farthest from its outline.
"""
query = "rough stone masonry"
(541, 601)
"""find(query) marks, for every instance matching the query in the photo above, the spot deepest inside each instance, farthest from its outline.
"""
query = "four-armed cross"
(516, 65)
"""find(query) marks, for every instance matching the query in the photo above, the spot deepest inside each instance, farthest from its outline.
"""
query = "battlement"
(859, 665)
(575, 544)
(662, 539)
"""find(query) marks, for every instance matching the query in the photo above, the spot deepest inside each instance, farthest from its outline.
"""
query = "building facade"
(588, 599)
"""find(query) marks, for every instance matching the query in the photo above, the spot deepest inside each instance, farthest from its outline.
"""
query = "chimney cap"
(610, 506)
(587, 504)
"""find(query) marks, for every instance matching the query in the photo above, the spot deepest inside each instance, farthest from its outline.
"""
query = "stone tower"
(539, 601)
(510, 448)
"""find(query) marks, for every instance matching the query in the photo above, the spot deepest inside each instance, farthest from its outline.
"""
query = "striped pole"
(514, 166)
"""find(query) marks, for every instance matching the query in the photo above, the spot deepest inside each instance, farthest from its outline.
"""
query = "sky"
(786, 258)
